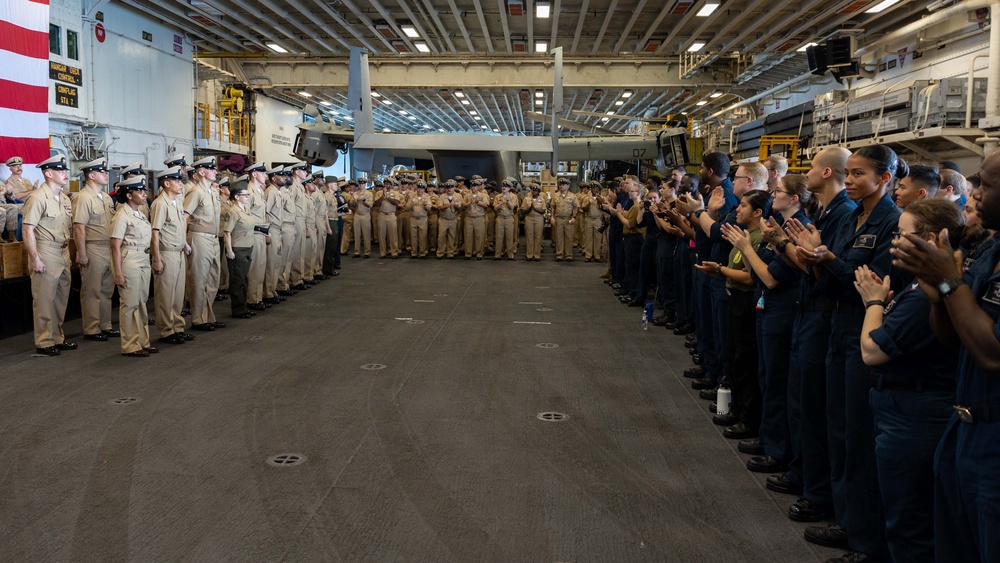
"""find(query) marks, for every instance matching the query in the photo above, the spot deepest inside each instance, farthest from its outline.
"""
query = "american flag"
(24, 80)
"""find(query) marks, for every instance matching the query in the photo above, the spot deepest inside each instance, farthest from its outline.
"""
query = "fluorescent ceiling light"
(539, 102)
(459, 95)
(441, 130)
(386, 129)
(627, 94)
(349, 118)
(387, 102)
(542, 9)
(701, 103)
(695, 47)
(465, 102)
(605, 118)
(335, 112)
(326, 104)
(422, 47)
(610, 113)
(539, 94)
(707, 8)
(496, 130)
(305, 94)
(413, 118)
(715, 94)
(376, 95)
(483, 127)
(477, 118)
(541, 47)
(620, 103)
(402, 112)
(881, 6)
(410, 31)
(427, 126)
(473, 112)
(803, 48)
(276, 48)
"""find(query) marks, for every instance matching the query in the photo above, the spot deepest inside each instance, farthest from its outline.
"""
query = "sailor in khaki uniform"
(534, 208)
(336, 206)
(475, 220)
(15, 190)
(92, 214)
(449, 203)
(363, 203)
(168, 249)
(222, 188)
(432, 218)
(490, 188)
(418, 207)
(300, 171)
(131, 234)
(386, 202)
(288, 234)
(274, 209)
(309, 241)
(506, 205)
(406, 191)
(179, 160)
(131, 171)
(347, 214)
(591, 208)
(256, 176)
(201, 203)
(564, 206)
(238, 235)
(46, 224)
(321, 209)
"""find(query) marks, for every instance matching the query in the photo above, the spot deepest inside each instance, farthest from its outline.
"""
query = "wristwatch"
(947, 287)
(780, 247)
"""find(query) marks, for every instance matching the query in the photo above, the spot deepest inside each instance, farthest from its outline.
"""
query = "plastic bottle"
(723, 399)
(647, 315)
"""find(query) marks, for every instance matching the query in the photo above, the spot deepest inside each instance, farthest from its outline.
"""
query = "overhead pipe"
(934, 18)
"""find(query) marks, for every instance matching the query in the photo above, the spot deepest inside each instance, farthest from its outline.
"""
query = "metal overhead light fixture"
(715, 94)
(410, 31)
(387, 102)
(473, 112)
(803, 48)
(427, 126)
(539, 102)
(496, 130)
(610, 113)
(542, 9)
(459, 94)
(324, 103)
(465, 102)
(541, 46)
(422, 47)
(627, 94)
(701, 103)
(411, 118)
(539, 94)
(483, 127)
(620, 103)
(386, 129)
(305, 94)
(402, 112)
(881, 6)
(376, 95)
(707, 8)
(695, 47)
(477, 118)
(276, 48)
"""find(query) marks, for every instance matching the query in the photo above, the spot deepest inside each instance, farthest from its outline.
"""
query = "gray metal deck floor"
(437, 457)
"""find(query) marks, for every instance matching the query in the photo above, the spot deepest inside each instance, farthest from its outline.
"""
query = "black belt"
(968, 416)
(632, 235)
(262, 229)
(828, 306)
(880, 382)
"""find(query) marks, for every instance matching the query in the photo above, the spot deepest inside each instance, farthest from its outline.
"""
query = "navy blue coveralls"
(713, 302)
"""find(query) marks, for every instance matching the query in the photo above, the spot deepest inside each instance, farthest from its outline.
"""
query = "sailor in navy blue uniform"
(966, 310)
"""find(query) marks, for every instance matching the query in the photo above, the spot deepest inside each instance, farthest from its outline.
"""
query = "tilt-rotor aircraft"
(465, 154)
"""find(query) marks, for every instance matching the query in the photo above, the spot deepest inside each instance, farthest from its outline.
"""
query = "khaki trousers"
(298, 253)
(97, 285)
(287, 246)
(505, 237)
(418, 236)
(258, 269)
(475, 235)
(562, 235)
(309, 252)
(447, 237)
(133, 319)
(168, 293)
(223, 265)
(348, 237)
(432, 231)
(388, 242)
(403, 230)
(205, 265)
(534, 227)
(50, 294)
(491, 223)
(362, 235)
(593, 241)
(274, 263)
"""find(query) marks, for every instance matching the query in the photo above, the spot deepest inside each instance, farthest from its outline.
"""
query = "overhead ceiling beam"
(678, 27)
(502, 7)
(579, 27)
(297, 24)
(554, 17)
(441, 72)
(183, 21)
(461, 26)
(482, 23)
(263, 25)
(707, 21)
(604, 27)
(628, 27)
(320, 25)
(420, 28)
(367, 22)
(653, 27)
(352, 29)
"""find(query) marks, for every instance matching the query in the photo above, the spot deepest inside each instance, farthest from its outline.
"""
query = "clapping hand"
(717, 200)
(772, 232)
(739, 238)
(870, 286)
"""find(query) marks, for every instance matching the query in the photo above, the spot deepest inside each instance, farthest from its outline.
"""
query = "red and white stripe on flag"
(24, 80)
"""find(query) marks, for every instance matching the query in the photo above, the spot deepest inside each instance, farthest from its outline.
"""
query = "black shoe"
(67, 346)
(829, 536)
(300, 287)
(691, 338)
(616, 286)
(247, 315)
(694, 373)
(686, 329)
(713, 407)
(98, 337)
(856, 557)
(280, 298)
(223, 292)
(725, 419)
(783, 485)
(693, 352)
(174, 338)
(257, 306)
(185, 312)
(111, 333)
(739, 431)
(271, 301)
(805, 510)
(50, 351)
(696, 358)
(703, 383)
(766, 464)
(708, 394)
(187, 336)
(636, 304)
(690, 344)
(221, 297)
(152, 349)
(284, 293)
(751, 446)
(219, 324)
(660, 321)
(337, 272)
(207, 327)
